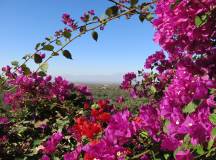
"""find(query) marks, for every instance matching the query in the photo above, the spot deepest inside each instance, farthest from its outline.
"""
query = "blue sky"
(122, 47)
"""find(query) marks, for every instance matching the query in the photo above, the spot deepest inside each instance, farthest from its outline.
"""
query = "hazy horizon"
(94, 78)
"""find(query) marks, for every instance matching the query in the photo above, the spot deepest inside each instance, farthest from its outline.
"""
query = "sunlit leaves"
(149, 17)
(190, 107)
(212, 118)
(213, 132)
(44, 67)
(39, 123)
(198, 21)
(166, 123)
(144, 134)
(199, 149)
(67, 54)
(201, 20)
(210, 144)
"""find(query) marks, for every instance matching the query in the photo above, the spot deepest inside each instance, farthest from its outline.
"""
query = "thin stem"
(136, 11)
(121, 4)
(139, 155)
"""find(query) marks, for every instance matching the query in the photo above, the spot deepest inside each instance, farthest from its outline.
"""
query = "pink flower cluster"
(127, 82)
(51, 144)
(43, 87)
(154, 58)
(176, 28)
(66, 19)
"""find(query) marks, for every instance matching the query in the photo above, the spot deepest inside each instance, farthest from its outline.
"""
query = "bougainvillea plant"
(45, 118)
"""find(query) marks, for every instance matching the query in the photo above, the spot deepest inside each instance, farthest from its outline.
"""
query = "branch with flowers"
(91, 23)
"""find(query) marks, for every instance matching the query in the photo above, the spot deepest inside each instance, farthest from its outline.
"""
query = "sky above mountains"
(122, 47)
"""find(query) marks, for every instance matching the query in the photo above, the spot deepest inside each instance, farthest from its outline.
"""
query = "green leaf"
(83, 29)
(166, 156)
(153, 90)
(144, 134)
(108, 12)
(49, 38)
(66, 34)
(115, 10)
(42, 73)
(15, 63)
(149, 17)
(67, 54)
(201, 20)
(213, 132)
(37, 142)
(198, 21)
(58, 42)
(112, 11)
(37, 46)
(25, 69)
(37, 58)
(54, 157)
(95, 106)
(42, 44)
(190, 107)
(61, 123)
(95, 35)
(142, 17)
(199, 149)
(44, 67)
(48, 47)
(166, 123)
(133, 2)
(55, 54)
(186, 138)
(27, 56)
(95, 18)
(212, 91)
(212, 118)
(210, 144)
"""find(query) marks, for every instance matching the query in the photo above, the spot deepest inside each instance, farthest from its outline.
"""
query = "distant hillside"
(112, 91)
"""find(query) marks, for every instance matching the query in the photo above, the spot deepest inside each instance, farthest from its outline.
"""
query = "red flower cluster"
(101, 113)
(86, 127)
